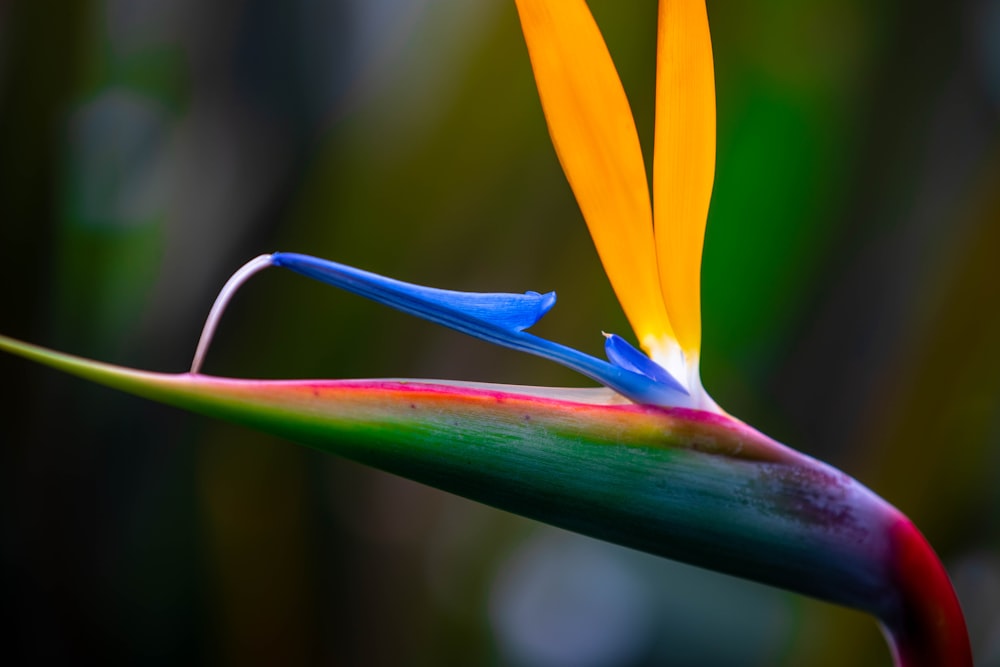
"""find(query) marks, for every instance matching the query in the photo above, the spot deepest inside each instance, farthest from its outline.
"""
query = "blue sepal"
(496, 318)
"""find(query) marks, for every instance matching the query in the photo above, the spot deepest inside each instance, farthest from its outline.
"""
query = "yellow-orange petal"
(683, 160)
(594, 134)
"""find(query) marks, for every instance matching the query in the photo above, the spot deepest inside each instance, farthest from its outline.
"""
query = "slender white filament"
(255, 265)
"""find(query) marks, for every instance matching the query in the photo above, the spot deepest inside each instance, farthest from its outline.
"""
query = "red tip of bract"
(927, 627)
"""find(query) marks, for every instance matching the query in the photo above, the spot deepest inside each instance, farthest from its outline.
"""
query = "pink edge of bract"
(719, 433)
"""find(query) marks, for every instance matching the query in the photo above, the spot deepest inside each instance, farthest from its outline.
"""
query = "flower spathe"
(691, 485)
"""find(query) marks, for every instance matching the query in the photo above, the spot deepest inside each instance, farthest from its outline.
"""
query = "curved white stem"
(255, 265)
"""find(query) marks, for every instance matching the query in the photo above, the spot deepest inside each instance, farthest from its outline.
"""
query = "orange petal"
(683, 161)
(594, 135)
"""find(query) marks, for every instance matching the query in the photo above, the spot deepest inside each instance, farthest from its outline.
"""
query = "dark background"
(148, 148)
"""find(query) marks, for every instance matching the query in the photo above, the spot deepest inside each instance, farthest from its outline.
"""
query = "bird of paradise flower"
(650, 461)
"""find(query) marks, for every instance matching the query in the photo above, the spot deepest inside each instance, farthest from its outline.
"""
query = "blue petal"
(624, 355)
(506, 311)
(496, 318)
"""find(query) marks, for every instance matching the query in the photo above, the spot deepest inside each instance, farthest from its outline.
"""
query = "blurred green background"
(149, 147)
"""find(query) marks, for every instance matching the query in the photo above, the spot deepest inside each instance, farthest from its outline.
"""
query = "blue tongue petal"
(514, 312)
(499, 318)
(624, 355)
